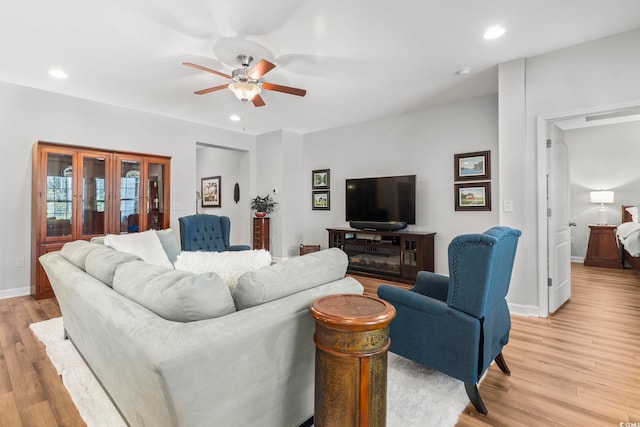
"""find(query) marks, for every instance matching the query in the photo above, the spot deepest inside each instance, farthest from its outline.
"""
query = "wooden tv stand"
(394, 255)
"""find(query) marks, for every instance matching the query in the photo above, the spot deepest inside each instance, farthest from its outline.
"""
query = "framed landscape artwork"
(211, 192)
(320, 179)
(321, 200)
(472, 166)
(473, 196)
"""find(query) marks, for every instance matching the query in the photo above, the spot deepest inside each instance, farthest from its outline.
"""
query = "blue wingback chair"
(207, 233)
(458, 324)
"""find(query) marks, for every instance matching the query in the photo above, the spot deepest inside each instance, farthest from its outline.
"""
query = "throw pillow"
(146, 245)
(229, 265)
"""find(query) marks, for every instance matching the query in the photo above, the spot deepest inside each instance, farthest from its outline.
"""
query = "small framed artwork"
(320, 179)
(211, 192)
(472, 166)
(321, 200)
(473, 196)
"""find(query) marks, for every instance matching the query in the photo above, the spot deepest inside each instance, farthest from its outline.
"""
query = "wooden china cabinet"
(80, 193)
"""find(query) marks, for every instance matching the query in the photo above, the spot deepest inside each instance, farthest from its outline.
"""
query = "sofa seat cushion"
(175, 295)
(290, 276)
(228, 265)
(146, 245)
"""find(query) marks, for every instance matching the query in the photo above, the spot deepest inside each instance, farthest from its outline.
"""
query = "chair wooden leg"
(474, 397)
(502, 364)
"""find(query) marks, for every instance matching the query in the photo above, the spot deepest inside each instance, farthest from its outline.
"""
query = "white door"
(559, 235)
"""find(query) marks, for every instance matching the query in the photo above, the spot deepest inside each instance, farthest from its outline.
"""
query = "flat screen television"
(381, 203)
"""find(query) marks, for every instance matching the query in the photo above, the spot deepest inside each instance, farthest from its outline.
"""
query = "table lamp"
(602, 197)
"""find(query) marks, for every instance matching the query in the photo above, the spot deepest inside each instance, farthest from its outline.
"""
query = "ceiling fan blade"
(208, 70)
(258, 101)
(260, 69)
(211, 89)
(285, 89)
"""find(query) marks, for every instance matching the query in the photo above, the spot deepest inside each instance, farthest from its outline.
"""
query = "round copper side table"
(352, 339)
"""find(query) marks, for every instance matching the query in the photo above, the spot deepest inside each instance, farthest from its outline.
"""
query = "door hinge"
(548, 143)
(549, 212)
(549, 282)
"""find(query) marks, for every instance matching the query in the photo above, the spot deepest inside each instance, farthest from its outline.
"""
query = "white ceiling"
(358, 59)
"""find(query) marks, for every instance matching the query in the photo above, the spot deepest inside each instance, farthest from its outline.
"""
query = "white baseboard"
(15, 292)
(579, 259)
(524, 310)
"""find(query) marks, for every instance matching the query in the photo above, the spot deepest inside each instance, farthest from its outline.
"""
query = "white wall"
(421, 143)
(600, 73)
(602, 158)
(28, 115)
(233, 167)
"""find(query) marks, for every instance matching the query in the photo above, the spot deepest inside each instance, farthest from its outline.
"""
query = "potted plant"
(263, 205)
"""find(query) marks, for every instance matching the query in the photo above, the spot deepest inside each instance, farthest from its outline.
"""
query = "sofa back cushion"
(76, 252)
(103, 261)
(290, 276)
(175, 295)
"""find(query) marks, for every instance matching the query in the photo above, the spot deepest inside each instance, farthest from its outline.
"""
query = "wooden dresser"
(261, 233)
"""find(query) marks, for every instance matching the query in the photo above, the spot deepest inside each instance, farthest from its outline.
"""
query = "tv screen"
(381, 199)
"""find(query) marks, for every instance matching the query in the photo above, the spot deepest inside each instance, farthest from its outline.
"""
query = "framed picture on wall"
(472, 166)
(473, 196)
(319, 179)
(321, 200)
(211, 192)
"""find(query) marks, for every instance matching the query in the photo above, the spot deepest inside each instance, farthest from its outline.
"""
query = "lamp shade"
(602, 197)
(244, 91)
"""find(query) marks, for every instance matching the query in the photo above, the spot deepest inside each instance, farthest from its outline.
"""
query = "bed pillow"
(633, 210)
(146, 245)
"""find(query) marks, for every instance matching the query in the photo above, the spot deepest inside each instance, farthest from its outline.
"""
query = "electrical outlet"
(20, 261)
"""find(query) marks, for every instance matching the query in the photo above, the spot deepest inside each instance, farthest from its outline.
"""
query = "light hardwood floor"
(580, 366)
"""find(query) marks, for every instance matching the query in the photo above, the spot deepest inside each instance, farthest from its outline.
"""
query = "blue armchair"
(458, 324)
(207, 233)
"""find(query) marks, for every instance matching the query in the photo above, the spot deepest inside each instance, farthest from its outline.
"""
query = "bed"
(629, 236)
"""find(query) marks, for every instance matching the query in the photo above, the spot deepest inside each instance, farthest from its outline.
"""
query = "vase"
(261, 214)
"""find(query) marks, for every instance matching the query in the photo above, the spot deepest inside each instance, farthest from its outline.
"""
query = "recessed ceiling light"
(234, 117)
(463, 71)
(494, 32)
(58, 74)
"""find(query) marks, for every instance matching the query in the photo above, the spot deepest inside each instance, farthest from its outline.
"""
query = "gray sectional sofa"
(172, 348)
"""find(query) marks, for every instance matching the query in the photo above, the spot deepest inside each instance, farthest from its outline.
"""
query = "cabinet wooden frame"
(42, 243)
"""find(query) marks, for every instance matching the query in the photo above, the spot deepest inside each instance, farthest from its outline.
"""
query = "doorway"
(589, 117)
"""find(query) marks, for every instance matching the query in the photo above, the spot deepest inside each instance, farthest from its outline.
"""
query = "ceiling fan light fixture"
(244, 91)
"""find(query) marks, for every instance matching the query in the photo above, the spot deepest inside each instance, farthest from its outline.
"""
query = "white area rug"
(416, 396)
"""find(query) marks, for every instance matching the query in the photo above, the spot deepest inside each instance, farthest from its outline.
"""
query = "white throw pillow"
(633, 210)
(229, 265)
(146, 245)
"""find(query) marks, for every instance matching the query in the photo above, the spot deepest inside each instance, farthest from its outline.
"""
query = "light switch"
(507, 206)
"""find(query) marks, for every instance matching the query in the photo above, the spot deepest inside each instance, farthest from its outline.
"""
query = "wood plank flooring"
(581, 366)
(31, 392)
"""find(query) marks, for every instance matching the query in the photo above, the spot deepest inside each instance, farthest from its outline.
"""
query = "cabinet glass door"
(409, 257)
(156, 195)
(94, 195)
(59, 194)
(129, 195)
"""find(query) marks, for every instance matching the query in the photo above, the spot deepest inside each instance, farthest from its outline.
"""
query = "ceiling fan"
(247, 83)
